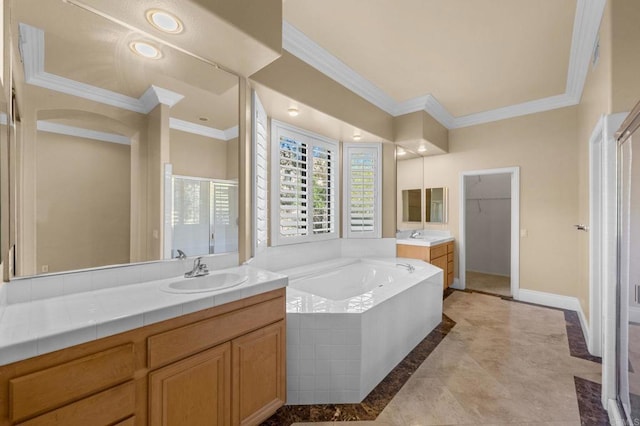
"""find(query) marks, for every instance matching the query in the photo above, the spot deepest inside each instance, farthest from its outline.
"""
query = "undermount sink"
(205, 283)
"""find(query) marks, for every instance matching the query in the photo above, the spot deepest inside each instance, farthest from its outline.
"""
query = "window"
(304, 185)
(363, 198)
(260, 123)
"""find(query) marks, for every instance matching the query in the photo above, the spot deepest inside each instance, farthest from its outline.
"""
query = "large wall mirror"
(128, 147)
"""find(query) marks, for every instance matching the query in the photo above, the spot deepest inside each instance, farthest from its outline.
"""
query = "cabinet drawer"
(181, 342)
(450, 267)
(450, 247)
(47, 389)
(437, 251)
(102, 409)
(450, 257)
(128, 422)
(450, 278)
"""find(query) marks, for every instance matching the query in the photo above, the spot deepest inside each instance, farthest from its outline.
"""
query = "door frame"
(515, 225)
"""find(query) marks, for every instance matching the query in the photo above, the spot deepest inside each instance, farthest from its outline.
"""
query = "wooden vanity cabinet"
(440, 255)
(219, 366)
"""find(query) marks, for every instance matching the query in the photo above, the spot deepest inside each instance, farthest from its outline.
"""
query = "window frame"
(355, 147)
(311, 139)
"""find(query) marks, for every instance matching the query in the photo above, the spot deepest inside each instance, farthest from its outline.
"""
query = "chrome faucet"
(181, 254)
(409, 267)
(199, 269)
(415, 234)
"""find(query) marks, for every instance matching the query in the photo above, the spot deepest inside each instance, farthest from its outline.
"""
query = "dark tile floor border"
(589, 405)
(377, 399)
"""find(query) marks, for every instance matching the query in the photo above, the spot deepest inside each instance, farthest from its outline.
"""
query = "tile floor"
(502, 363)
(488, 283)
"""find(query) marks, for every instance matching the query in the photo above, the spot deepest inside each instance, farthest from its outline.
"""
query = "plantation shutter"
(362, 173)
(294, 203)
(260, 173)
(304, 188)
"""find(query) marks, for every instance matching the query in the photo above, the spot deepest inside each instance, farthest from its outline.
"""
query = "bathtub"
(350, 321)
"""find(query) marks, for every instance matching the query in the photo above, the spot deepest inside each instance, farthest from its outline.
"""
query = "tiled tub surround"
(45, 325)
(342, 340)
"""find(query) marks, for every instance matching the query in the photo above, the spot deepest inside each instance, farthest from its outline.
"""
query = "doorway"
(489, 231)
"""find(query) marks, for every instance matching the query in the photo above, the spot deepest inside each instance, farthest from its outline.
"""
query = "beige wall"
(625, 33)
(195, 155)
(294, 78)
(544, 146)
(83, 195)
(421, 126)
(233, 162)
(595, 102)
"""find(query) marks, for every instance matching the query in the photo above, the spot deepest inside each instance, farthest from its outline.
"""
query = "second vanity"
(215, 356)
(436, 249)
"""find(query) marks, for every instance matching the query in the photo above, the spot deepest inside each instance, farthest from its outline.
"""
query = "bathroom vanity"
(436, 250)
(225, 364)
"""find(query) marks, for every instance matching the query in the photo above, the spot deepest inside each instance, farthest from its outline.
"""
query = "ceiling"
(85, 55)
(463, 61)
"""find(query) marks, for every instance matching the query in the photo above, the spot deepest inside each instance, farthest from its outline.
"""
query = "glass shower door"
(628, 340)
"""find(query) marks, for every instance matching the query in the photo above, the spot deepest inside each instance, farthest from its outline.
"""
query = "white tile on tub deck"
(19, 291)
(119, 325)
(322, 396)
(307, 337)
(322, 337)
(307, 366)
(293, 352)
(338, 367)
(307, 383)
(352, 382)
(293, 382)
(307, 322)
(76, 283)
(322, 383)
(293, 367)
(46, 287)
(339, 352)
(338, 337)
(307, 352)
(323, 367)
(323, 352)
(306, 397)
(293, 336)
(293, 320)
(354, 352)
(292, 396)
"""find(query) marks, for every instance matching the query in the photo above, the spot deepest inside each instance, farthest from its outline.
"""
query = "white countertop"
(42, 326)
(424, 240)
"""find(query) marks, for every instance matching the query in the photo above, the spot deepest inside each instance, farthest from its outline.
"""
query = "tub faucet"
(414, 234)
(199, 269)
(181, 254)
(409, 267)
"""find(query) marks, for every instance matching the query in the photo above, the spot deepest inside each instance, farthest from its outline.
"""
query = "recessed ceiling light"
(203, 119)
(357, 137)
(401, 151)
(164, 21)
(293, 111)
(145, 49)
(422, 148)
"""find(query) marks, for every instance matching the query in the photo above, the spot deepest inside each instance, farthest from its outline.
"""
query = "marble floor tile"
(489, 283)
(493, 362)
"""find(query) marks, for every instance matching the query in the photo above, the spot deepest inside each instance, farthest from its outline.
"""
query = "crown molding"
(199, 129)
(585, 32)
(32, 48)
(63, 129)
(298, 44)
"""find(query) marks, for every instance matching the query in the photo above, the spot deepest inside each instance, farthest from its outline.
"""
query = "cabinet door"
(441, 263)
(259, 376)
(195, 391)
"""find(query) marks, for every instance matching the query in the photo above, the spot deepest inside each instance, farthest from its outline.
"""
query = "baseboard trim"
(615, 416)
(634, 314)
(556, 301)
(456, 284)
